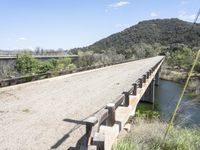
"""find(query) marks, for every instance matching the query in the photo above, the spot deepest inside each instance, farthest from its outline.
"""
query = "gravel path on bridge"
(41, 114)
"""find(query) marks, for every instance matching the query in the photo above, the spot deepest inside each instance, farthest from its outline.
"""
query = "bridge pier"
(149, 95)
(157, 77)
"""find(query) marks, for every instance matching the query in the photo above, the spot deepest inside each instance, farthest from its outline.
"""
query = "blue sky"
(75, 23)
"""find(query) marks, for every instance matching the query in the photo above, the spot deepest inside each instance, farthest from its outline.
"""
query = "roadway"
(48, 113)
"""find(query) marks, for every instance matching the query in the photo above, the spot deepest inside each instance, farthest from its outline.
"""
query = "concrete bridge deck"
(48, 113)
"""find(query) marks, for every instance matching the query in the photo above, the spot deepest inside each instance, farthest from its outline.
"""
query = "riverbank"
(147, 133)
(149, 136)
(179, 76)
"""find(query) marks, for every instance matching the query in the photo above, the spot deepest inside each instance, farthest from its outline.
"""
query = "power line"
(197, 16)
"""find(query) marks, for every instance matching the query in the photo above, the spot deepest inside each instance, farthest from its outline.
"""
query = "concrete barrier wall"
(6, 66)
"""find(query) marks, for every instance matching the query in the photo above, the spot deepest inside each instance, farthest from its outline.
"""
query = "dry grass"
(148, 135)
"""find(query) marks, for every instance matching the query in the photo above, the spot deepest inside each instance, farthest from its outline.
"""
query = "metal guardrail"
(95, 139)
(24, 79)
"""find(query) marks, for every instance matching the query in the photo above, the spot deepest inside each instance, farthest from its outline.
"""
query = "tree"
(25, 63)
(182, 57)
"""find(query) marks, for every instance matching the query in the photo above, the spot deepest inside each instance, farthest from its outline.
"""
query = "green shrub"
(64, 61)
(197, 67)
(89, 58)
(26, 64)
(182, 57)
(145, 111)
(72, 67)
(149, 114)
(43, 67)
(60, 64)
(85, 58)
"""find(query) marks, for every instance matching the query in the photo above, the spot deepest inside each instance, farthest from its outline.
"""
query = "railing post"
(140, 82)
(111, 114)
(134, 88)
(153, 69)
(144, 78)
(126, 101)
(148, 74)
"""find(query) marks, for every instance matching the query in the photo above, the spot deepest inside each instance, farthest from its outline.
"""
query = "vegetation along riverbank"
(177, 65)
(148, 130)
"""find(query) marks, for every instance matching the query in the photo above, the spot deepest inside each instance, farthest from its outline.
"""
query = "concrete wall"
(6, 66)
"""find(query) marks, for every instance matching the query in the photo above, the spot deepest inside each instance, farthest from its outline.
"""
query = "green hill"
(147, 38)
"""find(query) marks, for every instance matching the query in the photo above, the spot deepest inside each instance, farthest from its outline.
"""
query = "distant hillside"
(164, 32)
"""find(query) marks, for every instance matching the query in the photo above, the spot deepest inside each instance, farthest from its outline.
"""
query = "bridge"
(84, 108)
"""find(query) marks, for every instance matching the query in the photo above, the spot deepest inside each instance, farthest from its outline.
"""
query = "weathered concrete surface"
(123, 113)
(42, 114)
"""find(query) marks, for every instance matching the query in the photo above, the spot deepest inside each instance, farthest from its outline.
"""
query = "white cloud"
(22, 38)
(119, 4)
(153, 14)
(183, 15)
(184, 2)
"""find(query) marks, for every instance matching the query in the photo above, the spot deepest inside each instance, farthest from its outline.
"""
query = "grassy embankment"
(147, 134)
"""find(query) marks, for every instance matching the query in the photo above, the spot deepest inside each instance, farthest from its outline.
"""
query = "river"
(166, 97)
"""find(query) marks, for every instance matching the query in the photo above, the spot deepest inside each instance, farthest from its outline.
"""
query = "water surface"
(166, 97)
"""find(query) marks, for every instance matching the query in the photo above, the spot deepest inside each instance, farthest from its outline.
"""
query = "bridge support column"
(157, 77)
(149, 94)
(152, 92)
